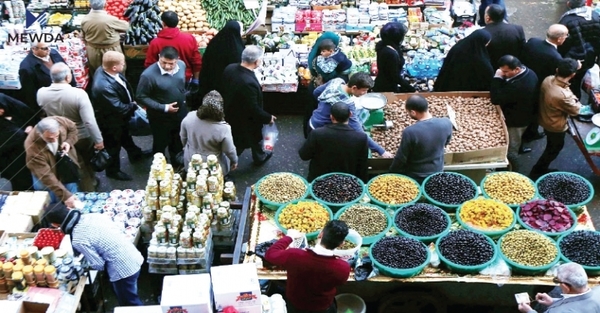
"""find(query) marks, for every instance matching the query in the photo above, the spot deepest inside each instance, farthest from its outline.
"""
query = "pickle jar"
(38, 271)
(50, 272)
(152, 187)
(223, 216)
(185, 240)
(172, 253)
(199, 239)
(18, 280)
(161, 234)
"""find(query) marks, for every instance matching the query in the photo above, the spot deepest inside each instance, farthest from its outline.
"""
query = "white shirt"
(555, 46)
(52, 146)
(45, 59)
(120, 81)
(172, 72)
(320, 250)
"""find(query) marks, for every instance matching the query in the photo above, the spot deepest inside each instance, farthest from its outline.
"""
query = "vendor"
(312, 274)
(421, 150)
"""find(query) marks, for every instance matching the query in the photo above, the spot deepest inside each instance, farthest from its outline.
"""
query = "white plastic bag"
(499, 270)
(270, 135)
(591, 80)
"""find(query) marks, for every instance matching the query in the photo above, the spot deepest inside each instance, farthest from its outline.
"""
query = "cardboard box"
(245, 293)
(47, 296)
(186, 292)
(34, 307)
(15, 223)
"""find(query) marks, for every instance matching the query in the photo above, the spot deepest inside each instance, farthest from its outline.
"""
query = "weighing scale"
(372, 114)
(592, 139)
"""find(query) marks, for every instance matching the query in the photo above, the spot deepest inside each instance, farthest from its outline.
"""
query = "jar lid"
(27, 269)
(67, 261)
(42, 262)
(7, 266)
(65, 269)
(19, 262)
(47, 250)
(17, 275)
(39, 269)
(18, 268)
(50, 269)
(24, 253)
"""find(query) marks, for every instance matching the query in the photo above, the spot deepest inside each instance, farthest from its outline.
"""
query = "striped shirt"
(104, 245)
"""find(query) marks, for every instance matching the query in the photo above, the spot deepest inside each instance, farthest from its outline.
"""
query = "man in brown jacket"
(51, 135)
(557, 102)
(101, 34)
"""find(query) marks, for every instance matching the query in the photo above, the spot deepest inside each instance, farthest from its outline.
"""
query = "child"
(331, 63)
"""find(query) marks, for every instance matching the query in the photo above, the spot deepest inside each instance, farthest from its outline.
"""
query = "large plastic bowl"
(353, 237)
(369, 239)
(445, 206)
(309, 236)
(466, 269)
(512, 205)
(570, 206)
(425, 239)
(528, 270)
(332, 205)
(492, 233)
(590, 270)
(397, 272)
(549, 234)
(393, 205)
(275, 205)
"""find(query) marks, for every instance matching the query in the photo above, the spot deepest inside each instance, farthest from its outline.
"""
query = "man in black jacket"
(514, 89)
(336, 147)
(583, 43)
(507, 39)
(114, 105)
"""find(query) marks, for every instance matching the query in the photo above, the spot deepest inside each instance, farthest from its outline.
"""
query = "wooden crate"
(135, 52)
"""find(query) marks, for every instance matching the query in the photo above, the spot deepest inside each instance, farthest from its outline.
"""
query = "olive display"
(528, 248)
(399, 252)
(568, 189)
(366, 220)
(449, 188)
(421, 220)
(337, 188)
(582, 247)
(465, 247)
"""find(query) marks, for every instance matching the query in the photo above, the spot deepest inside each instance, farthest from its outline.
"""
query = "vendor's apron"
(95, 53)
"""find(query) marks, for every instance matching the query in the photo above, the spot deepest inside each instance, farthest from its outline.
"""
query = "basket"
(354, 237)
(424, 239)
(309, 236)
(393, 205)
(401, 273)
(549, 234)
(590, 270)
(492, 233)
(570, 206)
(445, 206)
(466, 269)
(275, 205)
(336, 206)
(528, 270)
(512, 205)
(369, 239)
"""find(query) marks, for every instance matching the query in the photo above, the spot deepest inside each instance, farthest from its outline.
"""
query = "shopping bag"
(100, 160)
(139, 124)
(66, 170)
(270, 135)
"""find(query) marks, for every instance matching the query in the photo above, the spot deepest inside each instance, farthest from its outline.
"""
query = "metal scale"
(372, 115)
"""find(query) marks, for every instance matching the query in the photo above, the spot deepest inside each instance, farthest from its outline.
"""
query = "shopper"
(467, 66)
(244, 105)
(105, 248)
(483, 5)
(336, 91)
(62, 99)
(557, 102)
(52, 135)
(390, 60)
(102, 33)
(185, 43)
(224, 49)
(583, 43)
(541, 56)
(507, 39)
(162, 91)
(577, 296)
(331, 63)
(205, 132)
(34, 72)
(114, 102)
(336, 147)
(15, 124)
(312, 274)
(514, 89)
(421, 150)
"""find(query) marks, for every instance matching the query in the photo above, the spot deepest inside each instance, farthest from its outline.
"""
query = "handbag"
(100, 160)
(66, 170)
(139, 124)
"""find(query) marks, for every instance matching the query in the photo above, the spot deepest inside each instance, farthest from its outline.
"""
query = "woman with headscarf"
(16, 121)
(467, 66)
(224, 49)
(390, 60)
(205, 132)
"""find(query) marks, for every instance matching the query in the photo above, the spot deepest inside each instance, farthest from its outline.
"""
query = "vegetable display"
(546, 215)
(218, 12)
(117, 8)
(190, 13)
(144, 22)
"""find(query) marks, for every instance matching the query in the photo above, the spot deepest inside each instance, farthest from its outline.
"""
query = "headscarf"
(392, 34)
(212, 107)
(314, 52)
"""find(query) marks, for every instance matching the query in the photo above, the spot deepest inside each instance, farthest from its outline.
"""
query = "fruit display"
(117, 8)
(509, 187)
(421, 220)
(486, 214)
(275, 41)
(204, 39)
(81, 4)
(547, 215)
(528, 248)
(77, 19)
(466, 248)
(480, 124)
(218, 12)
(393, 189)
(564, 187)
(581, 246)
(144, 22)
(59, 19)
(337, 188)
(191, 15)
(367, 220)
(449, 188)
(304, 216)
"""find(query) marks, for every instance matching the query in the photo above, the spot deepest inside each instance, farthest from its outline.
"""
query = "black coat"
(243, 106)
(390, 64)
(506, 39)
(336, 148)
(33, 75)
(583, 42)
(517, 98)
(112, 105)
(541, 57)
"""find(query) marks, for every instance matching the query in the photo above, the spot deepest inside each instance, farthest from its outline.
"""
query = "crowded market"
(400, 156)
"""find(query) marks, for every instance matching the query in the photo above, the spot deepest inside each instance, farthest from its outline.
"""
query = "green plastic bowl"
(492, 233)
(424, 239)
(466, 269)
(529, 270)
(590, 270)
(400, 273)
(393, 205)
(445, 206)
(336, 206)
(549, 234)
(309, 236)
(512, 205)
(275, 205)
(570, 206)
(369, 239)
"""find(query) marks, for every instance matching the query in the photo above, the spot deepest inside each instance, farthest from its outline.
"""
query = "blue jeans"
(39, 186)
(127, 291)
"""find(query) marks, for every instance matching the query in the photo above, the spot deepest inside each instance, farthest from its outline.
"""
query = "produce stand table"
(78, 294)
(578, 131)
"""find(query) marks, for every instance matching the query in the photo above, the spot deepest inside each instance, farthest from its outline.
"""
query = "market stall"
(585, 136)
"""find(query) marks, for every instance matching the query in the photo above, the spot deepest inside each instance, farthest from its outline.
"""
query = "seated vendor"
(312, 274)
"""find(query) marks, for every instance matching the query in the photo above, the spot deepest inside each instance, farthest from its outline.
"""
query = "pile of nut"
(282, 187)
(480, 125)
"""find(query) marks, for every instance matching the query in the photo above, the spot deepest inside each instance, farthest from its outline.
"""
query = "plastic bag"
(591, 80)
(139, 124)
(270, 136)
(364, 269)
(499, 270)
(100, 160)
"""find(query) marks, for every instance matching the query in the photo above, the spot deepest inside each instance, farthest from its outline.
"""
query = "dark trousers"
(258, 154)
(309, 107)
(85, 152)
(576, 83)
(127, 291)
(166, 135)
(554, 144)
(115, 138)
(291, 309)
